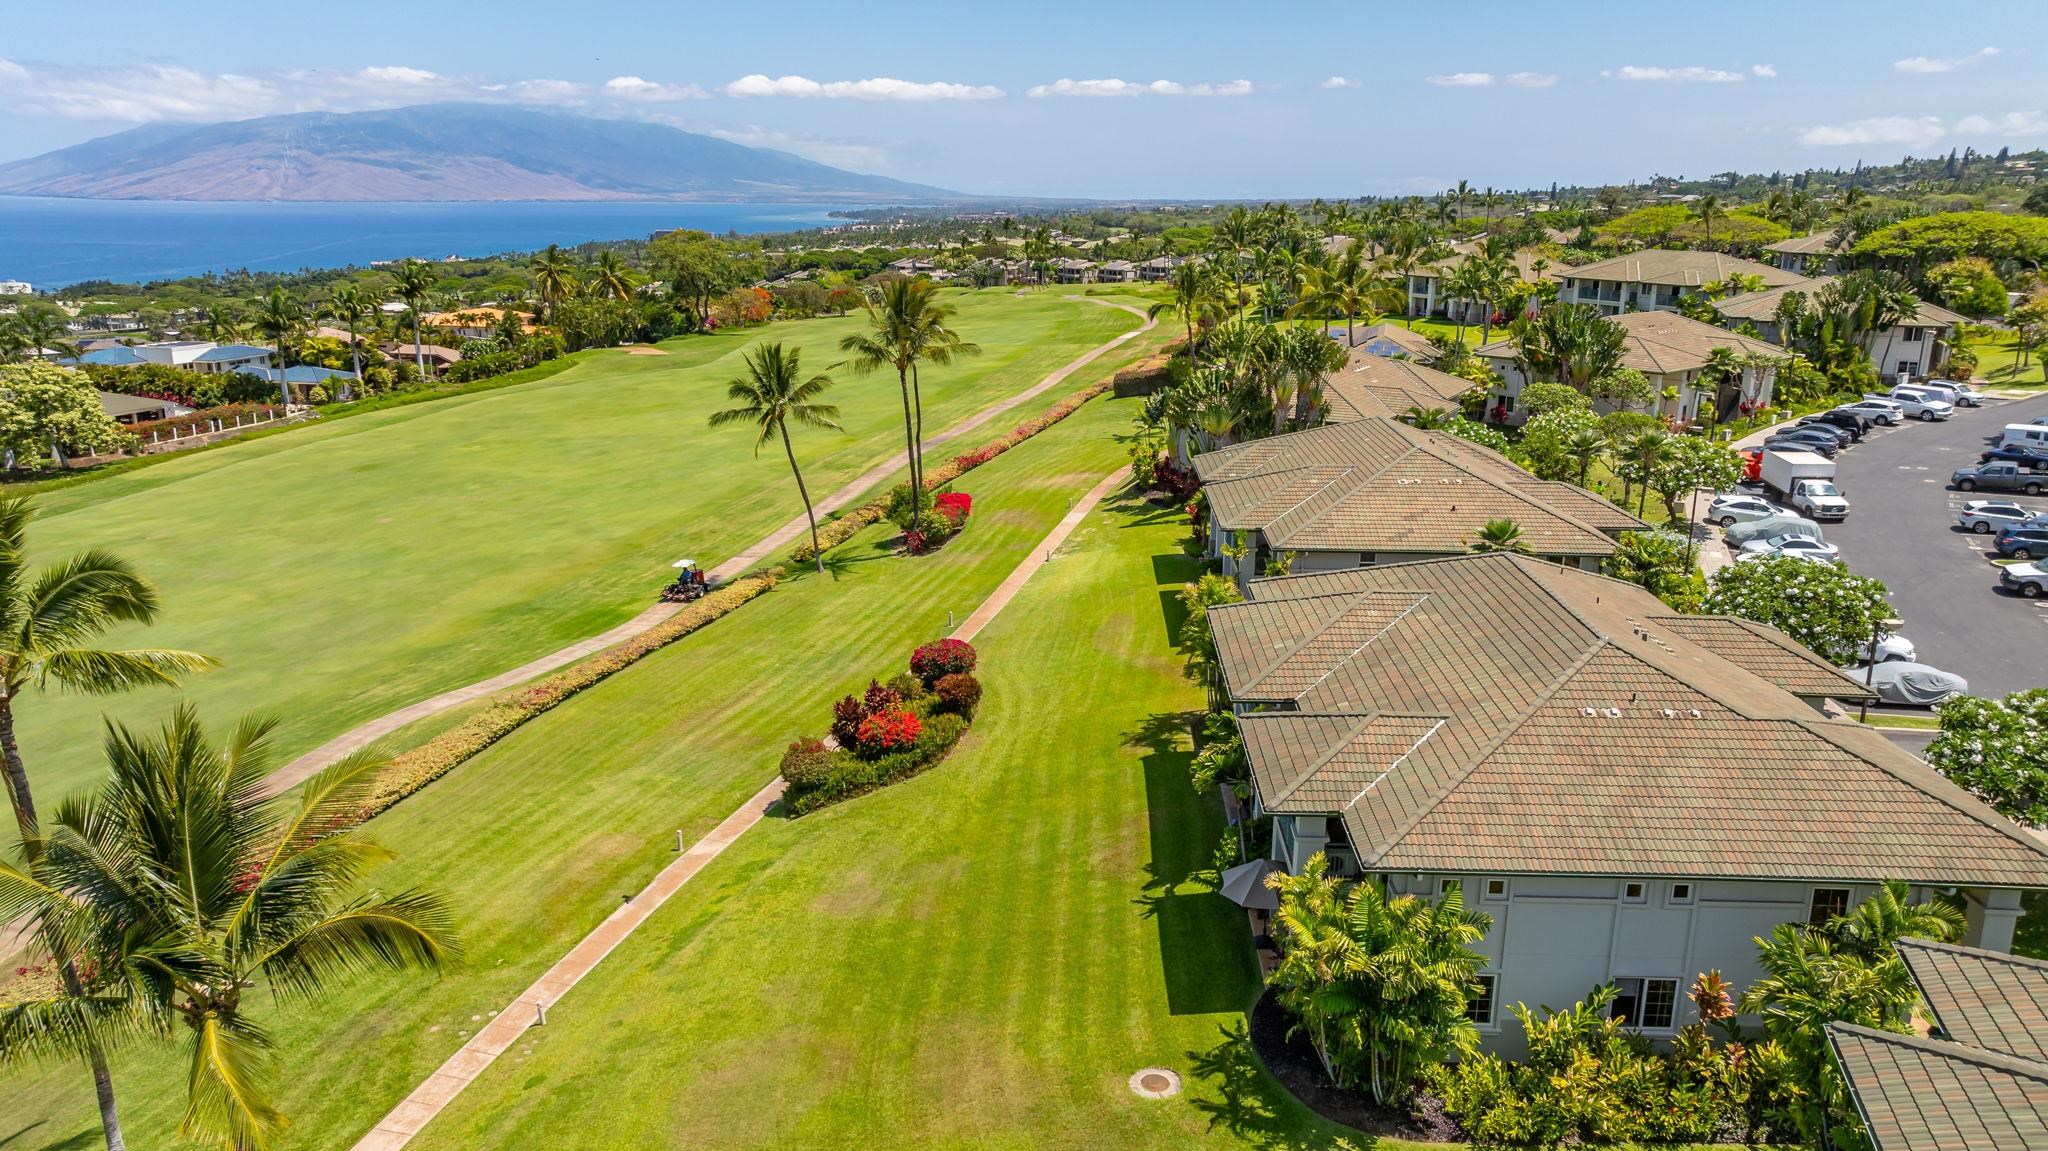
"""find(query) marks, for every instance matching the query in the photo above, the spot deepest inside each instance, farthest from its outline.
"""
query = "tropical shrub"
(940, 658)
(885, 731)
(958, 694)
(1992, 749)
(1822, 605)
(807, 762)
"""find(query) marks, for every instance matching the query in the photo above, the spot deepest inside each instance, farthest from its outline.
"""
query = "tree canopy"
(47, 412)
(1948, 235)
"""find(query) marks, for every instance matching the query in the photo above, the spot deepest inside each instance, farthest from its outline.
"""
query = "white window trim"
(1691, 896)
(1507, 890)
(1643, 894)
(1643, 1000)
(1492, 1024)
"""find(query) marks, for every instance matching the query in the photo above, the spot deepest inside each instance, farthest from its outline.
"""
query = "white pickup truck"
(1804, 482)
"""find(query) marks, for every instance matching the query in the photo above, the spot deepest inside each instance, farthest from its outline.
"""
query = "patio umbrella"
(1245, 884)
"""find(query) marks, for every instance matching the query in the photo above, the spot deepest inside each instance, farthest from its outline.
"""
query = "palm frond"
(91, 671)
(228, 1100)
(66, 1026)
(411, 929)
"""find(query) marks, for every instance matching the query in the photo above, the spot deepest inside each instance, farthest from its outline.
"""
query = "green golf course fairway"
(346, 570)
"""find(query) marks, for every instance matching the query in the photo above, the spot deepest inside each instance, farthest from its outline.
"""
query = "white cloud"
(1531, 79)
(1339, 82)
(1112, 87)
(856, 155)
(1928, 65)
(634, 88)
(1763, 71)
(878, 88)
(1463, 79)
(1692, 74)
(1912, 131)
(398, 74)
(2010, 124)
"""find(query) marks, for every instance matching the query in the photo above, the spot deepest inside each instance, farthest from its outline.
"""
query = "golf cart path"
(502, 1033)
(306, 766)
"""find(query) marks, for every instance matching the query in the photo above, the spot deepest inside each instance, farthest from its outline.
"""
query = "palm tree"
(1570, 343)
(1236, 233)
(1585, 447)
(351, 304)
(906, 328)
(610, 277)
(1888, 916)
(554, 278)
(1707, 208)
(1351, 288)
(415, 280)
(772, 393)
(192, 888)
(42, 328)
(1501, 535)
(282, 319)
(1428, 419)
(1195, 300)
(52, 620)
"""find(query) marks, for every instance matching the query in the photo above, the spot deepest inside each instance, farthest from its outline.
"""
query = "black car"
(2025, 457)
(1821, 440)
(1842, 437)
(1849, 422)
(1788, 444)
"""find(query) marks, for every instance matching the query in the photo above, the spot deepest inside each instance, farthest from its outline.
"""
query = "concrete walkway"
(498, 1036)
(355, 739)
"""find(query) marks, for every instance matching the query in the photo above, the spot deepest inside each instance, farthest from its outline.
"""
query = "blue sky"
(1189, 99)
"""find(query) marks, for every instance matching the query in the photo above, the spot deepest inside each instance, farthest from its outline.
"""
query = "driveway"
(1902, 530)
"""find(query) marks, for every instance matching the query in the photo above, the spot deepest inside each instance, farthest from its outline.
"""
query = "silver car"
(1987, 516)
(1911, 684)
(1731, 508)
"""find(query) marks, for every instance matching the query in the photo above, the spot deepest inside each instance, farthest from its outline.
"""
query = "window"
(1647, 1004)
(1496, 889)
(1444, 885)
(1368, 559)
(1828, 902)
(1479, 1002)
(1906, 368)
(1635, 891)
(1913, 335)
(1681, 893)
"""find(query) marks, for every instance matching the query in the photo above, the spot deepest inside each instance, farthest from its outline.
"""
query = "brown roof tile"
(1576, 729)
(1926, 1095)
(1985, 999)
(1678, 267)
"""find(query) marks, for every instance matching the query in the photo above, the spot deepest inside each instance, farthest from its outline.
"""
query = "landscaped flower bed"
(889, 732)
(940, 516)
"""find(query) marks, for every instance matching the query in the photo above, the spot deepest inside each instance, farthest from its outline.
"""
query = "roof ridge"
(1761, 631)
(1946, 1048)
(1350, 597)
(1398, 761)
(1420, 599)
(2004, 957)
(1351, 733)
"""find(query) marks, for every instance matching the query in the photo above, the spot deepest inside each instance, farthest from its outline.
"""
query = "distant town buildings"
(16, 288)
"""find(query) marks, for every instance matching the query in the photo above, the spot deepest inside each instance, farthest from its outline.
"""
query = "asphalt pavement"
(1902, 530)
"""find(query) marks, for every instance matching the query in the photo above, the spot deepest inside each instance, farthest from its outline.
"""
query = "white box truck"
(1804, 482)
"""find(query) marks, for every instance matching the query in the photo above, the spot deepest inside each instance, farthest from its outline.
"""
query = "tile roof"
(1390, 339)
(1767, 652)
(1985, 999)
(1678, 267)
(1763, 306)
(1573, 730)
(1374, 385)
(1919, 1094)
(1380, 485)
(1662, 342)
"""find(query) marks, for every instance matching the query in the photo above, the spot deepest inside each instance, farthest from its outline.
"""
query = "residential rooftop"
(1495, 713)
(1807, 245)
(1377, 484)
(1676, 267)
(1762, 307)
(1390, 339)
(1663, 343)
(1371, 385)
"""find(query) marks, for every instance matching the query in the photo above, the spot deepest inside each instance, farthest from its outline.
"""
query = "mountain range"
(438, 152)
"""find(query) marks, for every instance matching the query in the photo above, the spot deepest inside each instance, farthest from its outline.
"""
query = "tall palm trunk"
(24, 803)
(355, 351)
(917, 436)
(910, 451)
(804, 493)
(419, 353)
(284, 389)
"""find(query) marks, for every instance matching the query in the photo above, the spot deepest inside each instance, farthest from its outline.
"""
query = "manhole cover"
(1156, 1083)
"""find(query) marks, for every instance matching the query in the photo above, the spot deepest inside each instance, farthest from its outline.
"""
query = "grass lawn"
(537, 839)
(979, 957)
(1998, 360)
(341, 571)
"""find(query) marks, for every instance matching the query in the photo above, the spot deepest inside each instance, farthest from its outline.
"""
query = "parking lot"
(1902, 530)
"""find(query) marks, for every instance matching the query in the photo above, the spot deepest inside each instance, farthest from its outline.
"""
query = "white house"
(1117, 272)
(1914, 349)
(1427, 297)
(1674, 353)
(16, 288)
(1376, 491)
(1069, 270)
(201, 356)
(1631, 795)
(1815, 254)
(1656, 279)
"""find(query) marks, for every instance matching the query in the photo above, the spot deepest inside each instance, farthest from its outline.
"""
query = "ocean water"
(54, 242)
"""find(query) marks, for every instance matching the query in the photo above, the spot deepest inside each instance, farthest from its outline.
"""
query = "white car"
(1804, 547)
(1910, 684)
(1967, 396)
(1731, 508)
(1919, 408)
(1882, 412)
(1894, 649)
(1987, 516)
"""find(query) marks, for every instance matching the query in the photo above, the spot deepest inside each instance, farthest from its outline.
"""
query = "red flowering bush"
(953, 505)
(959, 693)
(807, 763)
(852, 710)
(941, 658)
(887, 731)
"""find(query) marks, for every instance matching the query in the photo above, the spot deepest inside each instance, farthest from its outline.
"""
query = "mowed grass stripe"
(978, 957)
(537, 839)
(343, 571)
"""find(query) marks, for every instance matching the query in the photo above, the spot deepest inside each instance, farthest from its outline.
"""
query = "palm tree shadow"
(1250, 1104)
(23, 1137)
